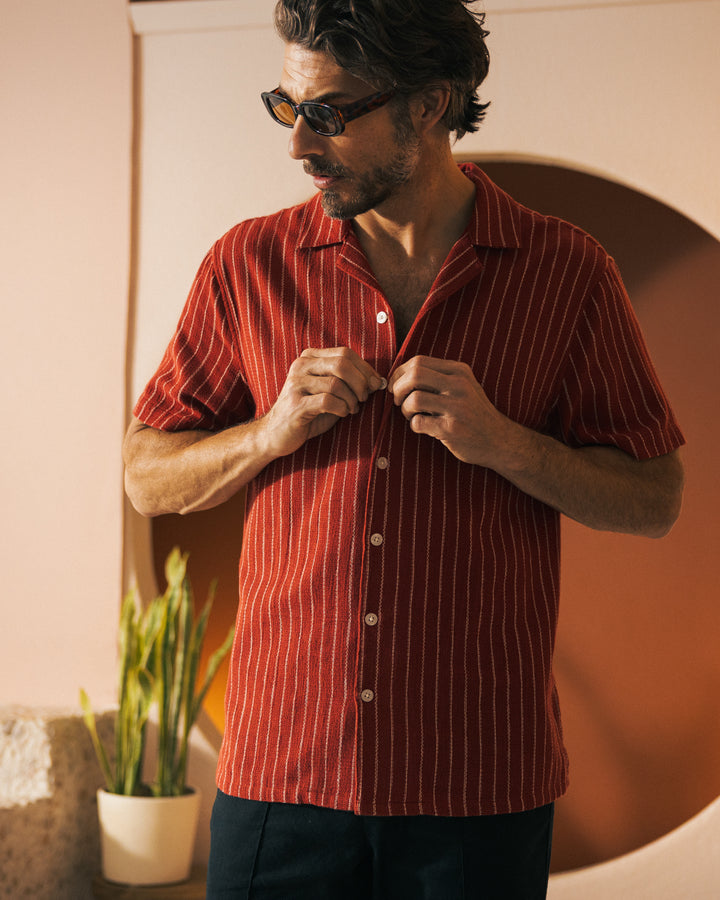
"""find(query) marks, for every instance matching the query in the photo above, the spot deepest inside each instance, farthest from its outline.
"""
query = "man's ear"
(430, 104)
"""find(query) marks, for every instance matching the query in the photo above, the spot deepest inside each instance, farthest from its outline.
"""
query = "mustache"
(331, 170)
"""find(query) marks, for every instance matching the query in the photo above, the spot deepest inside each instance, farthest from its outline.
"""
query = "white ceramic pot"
(147, 840)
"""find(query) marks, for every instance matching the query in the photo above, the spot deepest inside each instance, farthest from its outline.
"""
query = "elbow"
(664, 524)
(138, 497)
(669, 503)
(138, 483)
(145, 492)
(661, 528)
(138, 478)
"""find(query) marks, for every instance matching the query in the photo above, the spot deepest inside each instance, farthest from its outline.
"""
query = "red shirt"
(398, 607)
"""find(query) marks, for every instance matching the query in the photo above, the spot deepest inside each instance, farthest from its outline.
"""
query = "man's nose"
(304, 141)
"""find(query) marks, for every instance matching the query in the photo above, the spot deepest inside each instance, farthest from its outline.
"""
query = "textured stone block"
(49, 843)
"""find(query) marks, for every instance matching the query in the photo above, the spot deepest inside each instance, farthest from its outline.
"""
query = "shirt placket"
(368, 690)
(380, 567)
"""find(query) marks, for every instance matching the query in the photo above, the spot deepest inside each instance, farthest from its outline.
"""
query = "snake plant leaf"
(159, 658)
(176, 566)
(181, 683)
(89, 719)
(198, 638)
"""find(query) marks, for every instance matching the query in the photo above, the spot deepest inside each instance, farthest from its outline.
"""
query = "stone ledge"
(49, 843)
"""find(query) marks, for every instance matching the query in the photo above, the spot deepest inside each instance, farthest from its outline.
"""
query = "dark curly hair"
(403, 45)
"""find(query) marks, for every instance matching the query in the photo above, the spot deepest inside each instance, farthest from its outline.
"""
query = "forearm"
(187, 471)
(601, 487)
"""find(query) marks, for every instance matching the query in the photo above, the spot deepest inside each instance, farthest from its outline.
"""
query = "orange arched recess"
(636, 661)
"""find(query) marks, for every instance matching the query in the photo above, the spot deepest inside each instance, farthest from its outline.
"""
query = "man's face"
(368, 164)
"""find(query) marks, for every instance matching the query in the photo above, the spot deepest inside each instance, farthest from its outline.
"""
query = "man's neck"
(423, 219)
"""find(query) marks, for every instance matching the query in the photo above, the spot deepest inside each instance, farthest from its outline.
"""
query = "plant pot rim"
(189, 792)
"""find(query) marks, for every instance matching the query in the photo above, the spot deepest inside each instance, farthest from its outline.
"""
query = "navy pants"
(277, 851)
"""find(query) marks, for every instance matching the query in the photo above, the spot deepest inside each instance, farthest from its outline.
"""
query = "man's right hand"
(322, 386)
(185, 471)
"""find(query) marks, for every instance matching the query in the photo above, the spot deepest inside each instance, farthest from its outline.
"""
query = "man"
(413, 376)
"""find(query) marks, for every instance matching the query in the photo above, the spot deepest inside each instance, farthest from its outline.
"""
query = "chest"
(482, 314)
(405, 289)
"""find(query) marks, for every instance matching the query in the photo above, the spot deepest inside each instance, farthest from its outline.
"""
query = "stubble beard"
(370, 190)
(374, 187)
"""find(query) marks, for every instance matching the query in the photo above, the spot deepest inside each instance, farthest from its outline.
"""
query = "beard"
(375, 186)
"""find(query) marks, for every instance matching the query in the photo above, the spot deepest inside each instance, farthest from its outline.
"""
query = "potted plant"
(147, 829)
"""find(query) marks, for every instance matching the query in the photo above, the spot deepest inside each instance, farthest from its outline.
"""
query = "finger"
(308, 377)
(331, 386)
(428, 363)
(432, 426)
(313, 406)
(344, 354)
(420, 381)
(423, 403)
(430, 371)
(316, 378)
(344, 362)
(416, 374)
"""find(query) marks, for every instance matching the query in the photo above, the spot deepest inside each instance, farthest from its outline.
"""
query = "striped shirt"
(398, 607)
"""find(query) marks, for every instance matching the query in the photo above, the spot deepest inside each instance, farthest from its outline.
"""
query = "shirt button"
(371, 619)
(382, 317)
(382, 462)
(367, 696)
(376, 539)
(383, 384)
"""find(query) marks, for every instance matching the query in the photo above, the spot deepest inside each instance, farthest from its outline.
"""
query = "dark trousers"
(277, 851)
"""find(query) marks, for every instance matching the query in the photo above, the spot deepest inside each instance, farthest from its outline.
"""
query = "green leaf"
(159, 658)
(89, 719)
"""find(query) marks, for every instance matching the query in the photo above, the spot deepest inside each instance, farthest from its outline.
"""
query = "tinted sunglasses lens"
(320, 119)
(280, 109)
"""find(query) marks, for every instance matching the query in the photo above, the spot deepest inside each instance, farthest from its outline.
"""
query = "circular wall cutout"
(636, 659)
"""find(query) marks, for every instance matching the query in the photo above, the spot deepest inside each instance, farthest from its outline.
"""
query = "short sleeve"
(199, 383)
(610, 393)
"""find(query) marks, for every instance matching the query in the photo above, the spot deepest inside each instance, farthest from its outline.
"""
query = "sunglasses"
(321, 118)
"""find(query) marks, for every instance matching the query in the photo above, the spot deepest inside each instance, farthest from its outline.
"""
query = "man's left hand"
(602, 487)
(443, 399)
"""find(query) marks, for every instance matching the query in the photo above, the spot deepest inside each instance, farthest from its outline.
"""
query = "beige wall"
(65, 89)
(626, 90)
